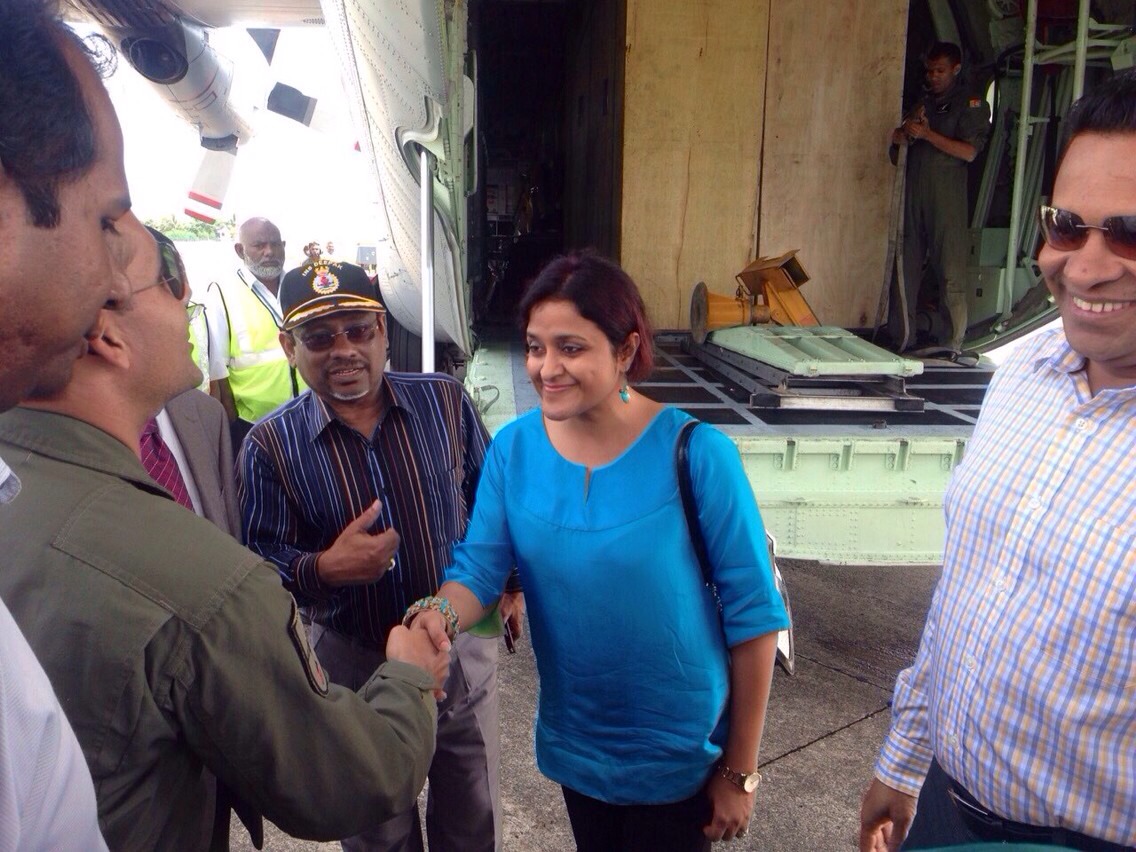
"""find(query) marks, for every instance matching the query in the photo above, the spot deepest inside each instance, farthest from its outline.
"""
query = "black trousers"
(600, 827)
(937, 822)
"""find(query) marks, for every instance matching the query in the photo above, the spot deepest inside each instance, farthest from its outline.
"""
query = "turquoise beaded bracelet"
(439, 605)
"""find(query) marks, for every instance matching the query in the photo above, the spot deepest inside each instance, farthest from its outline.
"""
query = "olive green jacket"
(175, 652)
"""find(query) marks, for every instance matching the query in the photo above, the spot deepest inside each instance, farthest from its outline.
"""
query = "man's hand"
(730, 809)
(917, 128)
(358, 556)
(885, 817)
(429, 627)
(417, 648)
(512, 609)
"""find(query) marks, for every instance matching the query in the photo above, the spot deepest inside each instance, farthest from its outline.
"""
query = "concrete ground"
(856, 627)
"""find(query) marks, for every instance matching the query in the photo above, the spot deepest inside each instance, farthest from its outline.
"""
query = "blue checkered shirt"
(1024, 687)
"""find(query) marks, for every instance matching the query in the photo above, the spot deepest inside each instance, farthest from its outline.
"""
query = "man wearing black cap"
(357, 492)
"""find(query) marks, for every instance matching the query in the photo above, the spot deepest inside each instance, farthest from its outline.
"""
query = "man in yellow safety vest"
(248, 371)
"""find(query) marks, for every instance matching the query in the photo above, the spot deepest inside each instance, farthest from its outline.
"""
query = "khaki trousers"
(463, 804)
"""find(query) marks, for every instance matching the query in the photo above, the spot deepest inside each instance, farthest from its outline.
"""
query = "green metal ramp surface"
(814, 351)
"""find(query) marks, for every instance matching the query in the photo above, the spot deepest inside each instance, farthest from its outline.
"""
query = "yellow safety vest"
(259, 375)
(199, 349)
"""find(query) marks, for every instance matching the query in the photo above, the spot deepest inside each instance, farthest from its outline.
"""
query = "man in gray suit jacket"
(202, 431)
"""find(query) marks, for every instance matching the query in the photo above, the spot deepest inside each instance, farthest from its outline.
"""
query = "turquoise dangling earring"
(624, 393)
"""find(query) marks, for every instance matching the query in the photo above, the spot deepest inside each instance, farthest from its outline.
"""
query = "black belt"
(990, 827)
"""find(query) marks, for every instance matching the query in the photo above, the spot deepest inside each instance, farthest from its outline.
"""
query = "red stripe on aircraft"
(208, 220)
(205, 199)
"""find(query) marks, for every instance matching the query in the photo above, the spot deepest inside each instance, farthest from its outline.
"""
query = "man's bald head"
(256, 227)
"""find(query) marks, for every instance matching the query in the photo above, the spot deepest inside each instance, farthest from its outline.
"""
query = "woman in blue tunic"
(651, 700)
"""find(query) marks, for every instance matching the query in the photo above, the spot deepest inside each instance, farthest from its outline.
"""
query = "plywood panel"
(835, 81)
(694, 80)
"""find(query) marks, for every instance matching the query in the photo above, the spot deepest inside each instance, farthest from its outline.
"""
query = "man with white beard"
(248, 371)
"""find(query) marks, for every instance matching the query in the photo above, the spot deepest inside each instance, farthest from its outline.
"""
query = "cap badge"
(324, 281)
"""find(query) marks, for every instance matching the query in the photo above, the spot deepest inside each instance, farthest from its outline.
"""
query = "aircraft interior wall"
(529, 85)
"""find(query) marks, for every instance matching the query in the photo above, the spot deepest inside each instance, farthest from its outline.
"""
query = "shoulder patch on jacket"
(317, 677)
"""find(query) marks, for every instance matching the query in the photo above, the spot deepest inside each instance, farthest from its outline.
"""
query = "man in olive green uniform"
(944, 132)
(177, 656)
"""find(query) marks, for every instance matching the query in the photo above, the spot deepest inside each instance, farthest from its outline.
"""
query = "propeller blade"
(207, 195)
(292, 103)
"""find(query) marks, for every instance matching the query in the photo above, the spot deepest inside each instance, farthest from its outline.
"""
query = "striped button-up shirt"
(305, 475)
(1024, 687)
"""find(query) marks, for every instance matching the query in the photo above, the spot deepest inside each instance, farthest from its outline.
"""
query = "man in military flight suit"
(179, 659)
(944, 131)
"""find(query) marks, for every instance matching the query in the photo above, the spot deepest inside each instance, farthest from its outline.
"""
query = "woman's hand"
(730, 809)
(512, 609)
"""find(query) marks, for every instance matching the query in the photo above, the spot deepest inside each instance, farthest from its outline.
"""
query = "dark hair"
(603, 294)
(47, 136)
(945, 50)
(1107, 108)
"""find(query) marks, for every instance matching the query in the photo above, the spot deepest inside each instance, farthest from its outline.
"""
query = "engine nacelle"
(198, 81)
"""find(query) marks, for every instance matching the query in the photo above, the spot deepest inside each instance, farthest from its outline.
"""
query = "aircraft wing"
(210, 13)
(404, 63)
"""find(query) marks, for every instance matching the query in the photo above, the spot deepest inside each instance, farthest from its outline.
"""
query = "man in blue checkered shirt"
(1017, 722)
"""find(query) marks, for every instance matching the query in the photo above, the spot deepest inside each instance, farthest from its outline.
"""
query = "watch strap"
(742, 780)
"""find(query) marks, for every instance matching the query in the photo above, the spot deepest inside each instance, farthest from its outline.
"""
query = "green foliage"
(184, 228)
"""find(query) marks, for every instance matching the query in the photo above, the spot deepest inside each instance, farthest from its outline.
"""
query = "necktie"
(161, 464)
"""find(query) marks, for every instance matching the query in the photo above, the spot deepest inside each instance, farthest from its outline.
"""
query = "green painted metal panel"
(853, 500)
(489, 380)
(814, 351)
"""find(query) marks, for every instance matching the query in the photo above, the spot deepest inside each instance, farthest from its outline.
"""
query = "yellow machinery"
(768, 291)
(767, 340)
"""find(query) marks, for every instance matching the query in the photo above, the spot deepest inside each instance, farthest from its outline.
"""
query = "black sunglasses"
(322, 341)
(172, 270)
(1064, 230)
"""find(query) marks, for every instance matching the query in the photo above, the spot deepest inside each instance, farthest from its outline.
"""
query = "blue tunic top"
(629, 644)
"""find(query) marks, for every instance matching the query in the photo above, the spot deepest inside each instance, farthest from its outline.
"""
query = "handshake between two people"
(432, 626)
(423, 649)
(362, 553)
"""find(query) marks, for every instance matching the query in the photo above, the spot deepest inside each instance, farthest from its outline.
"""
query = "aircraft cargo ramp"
(839, 486)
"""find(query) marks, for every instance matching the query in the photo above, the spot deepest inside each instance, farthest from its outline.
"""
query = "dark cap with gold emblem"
(324, 287)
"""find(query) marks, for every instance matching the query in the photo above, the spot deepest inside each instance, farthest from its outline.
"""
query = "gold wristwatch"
(746, 781)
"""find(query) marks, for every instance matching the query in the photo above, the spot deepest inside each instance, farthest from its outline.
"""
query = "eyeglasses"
(1064, 230)
(171, 271)
(322, 341)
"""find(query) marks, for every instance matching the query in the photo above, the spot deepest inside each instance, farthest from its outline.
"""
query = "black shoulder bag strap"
(690, 507)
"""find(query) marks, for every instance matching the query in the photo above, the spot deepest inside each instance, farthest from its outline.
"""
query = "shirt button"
(1081, 425)
(970, 662)
(1034, 504)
